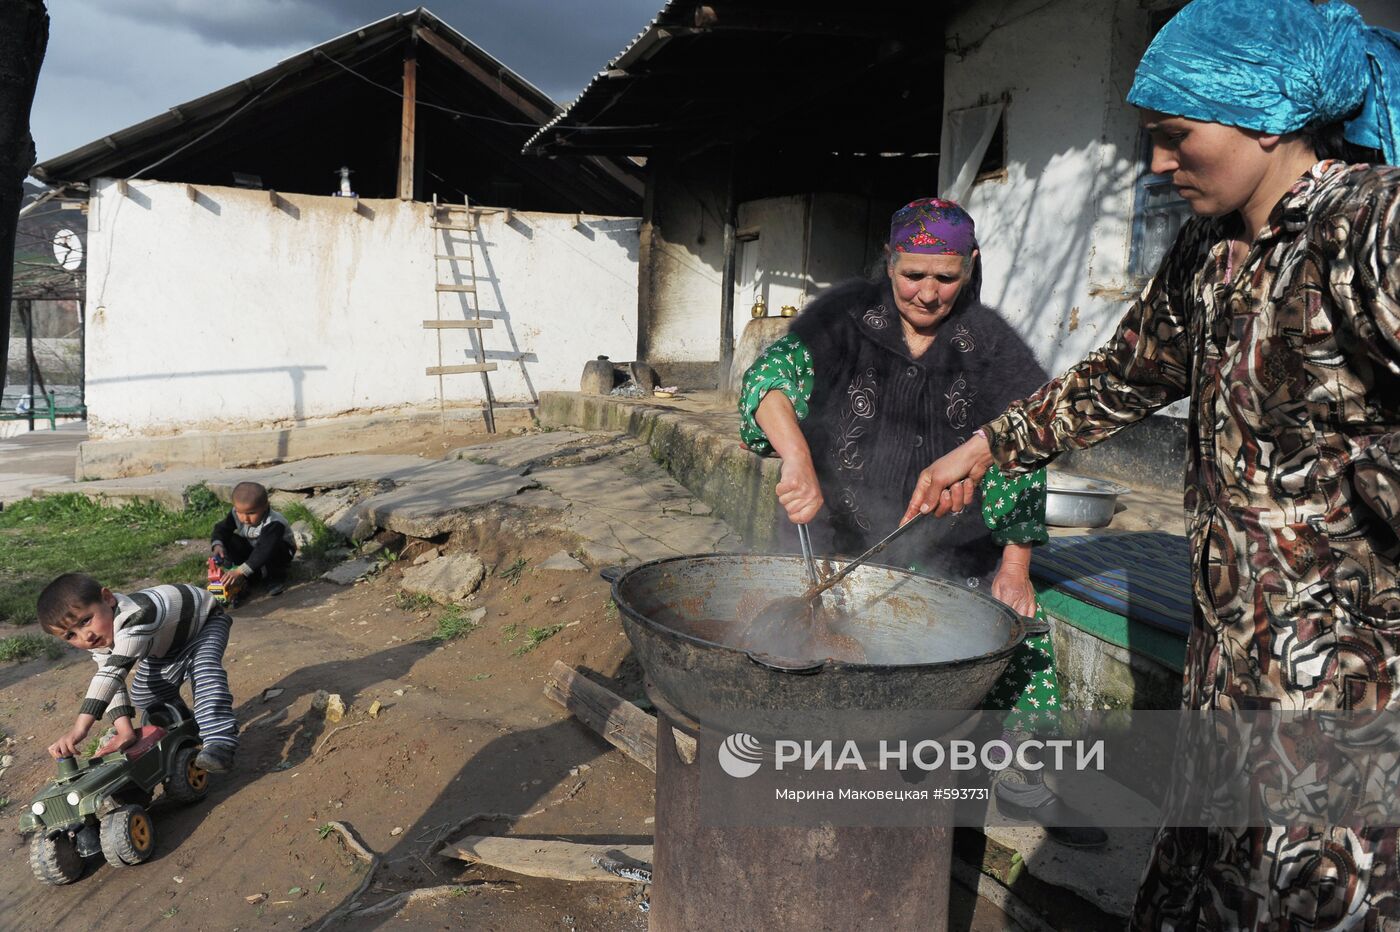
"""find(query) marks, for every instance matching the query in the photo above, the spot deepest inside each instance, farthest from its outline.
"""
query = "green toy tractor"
(100, 804)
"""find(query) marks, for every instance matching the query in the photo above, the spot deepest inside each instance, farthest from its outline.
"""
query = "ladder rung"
(454, 370)
(444, 226)
(468, 289)
(458, 324)
(459, 258)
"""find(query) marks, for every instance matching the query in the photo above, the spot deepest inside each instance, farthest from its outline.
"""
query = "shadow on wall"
(295, 374)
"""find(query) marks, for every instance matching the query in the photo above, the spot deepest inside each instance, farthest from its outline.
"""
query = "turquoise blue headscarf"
(1276, 66)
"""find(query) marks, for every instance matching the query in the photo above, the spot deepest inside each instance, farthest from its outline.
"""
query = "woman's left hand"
(1012, 585)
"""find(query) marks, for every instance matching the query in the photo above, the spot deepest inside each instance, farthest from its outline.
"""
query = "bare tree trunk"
(24, 34)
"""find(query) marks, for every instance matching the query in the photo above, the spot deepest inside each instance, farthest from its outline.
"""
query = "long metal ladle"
(818, 587)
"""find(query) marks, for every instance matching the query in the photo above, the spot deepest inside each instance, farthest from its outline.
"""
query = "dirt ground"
(464, 728)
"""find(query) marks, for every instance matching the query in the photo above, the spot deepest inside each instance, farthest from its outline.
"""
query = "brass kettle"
(759, 309)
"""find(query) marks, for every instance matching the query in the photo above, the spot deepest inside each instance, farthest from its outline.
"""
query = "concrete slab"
(628, 507)
(1107, 877)
(439, 499)
(39, 458)
(346, 573)
(113, 458)
(555, 447)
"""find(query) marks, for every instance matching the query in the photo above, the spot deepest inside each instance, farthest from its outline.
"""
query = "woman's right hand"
(798, 490)
(950, 484)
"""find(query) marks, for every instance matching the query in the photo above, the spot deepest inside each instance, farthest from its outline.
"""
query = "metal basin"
(1079, 501)
(929, 643)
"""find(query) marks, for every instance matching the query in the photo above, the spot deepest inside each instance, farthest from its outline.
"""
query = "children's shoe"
(215, 758)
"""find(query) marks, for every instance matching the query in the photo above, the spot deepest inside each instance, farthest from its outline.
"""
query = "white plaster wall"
(805, 243)
(687, 264)
(228, 313)
(1056, 232)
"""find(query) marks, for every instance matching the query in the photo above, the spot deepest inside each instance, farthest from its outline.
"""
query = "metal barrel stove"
(928, 644)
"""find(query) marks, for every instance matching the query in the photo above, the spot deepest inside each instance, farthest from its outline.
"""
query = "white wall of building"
(1056, 231)
(800, 244)
(226, 312)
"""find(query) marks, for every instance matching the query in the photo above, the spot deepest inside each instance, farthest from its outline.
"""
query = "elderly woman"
(876, 376)
(1277, 312)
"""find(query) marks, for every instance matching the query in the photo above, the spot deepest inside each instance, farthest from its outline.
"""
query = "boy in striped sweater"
(166, 634)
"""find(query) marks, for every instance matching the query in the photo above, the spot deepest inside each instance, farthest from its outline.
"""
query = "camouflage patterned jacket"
(1293, 473)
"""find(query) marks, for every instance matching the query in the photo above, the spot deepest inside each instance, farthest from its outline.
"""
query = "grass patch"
(4, 803)
(534, 637)
(454, 623)
(322, 537)
(43, 538)
(512, 573)
(510, 632)
(24, 646)
(413, 601)
(194, 568)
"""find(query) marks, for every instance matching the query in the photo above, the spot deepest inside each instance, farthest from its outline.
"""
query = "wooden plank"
(556, 860)
(443, 226)
(407, 134)
(494, 82)
(457, 370)
(457, 289)
(460, 257)
(622, 724)
(458, 324)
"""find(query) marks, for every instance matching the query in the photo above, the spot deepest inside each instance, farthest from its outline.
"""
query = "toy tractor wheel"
(187, 783)
(55, 860)
(128, 836)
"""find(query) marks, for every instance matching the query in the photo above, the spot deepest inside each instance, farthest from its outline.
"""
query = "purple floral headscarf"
(934, 227)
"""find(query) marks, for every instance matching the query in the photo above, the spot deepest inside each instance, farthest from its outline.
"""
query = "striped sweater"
(156, 622)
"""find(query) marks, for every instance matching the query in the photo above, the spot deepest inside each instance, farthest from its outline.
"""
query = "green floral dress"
(1013, 508)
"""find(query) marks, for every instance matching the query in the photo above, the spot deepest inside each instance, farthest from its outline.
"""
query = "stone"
(447, 579)
(371, 547)
(597, 377)
(555, 599)
(374, 708)
(564, 563)
(269, 694)
(355, 524)
(396, 831)
(427, 556)
(351, 570)
(301, 533)
(7, 761)
(644, 376)
(255, 899)
(282, 499)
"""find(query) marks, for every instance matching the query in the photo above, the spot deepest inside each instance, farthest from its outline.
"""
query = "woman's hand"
(950, 483)
(798, 490)
(1012, 583)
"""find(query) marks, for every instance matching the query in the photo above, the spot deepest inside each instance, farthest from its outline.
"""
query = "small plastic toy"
(100, 804)
(223, 594)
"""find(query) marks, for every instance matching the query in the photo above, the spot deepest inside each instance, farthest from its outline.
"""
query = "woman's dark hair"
(1330, 142)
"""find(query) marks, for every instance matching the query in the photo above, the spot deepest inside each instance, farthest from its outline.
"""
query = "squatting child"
(166, 635)
(255, 538)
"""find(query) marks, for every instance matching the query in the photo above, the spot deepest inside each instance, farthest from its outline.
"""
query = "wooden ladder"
(446, 220)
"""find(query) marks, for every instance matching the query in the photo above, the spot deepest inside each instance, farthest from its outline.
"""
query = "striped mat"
(1143, 576)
